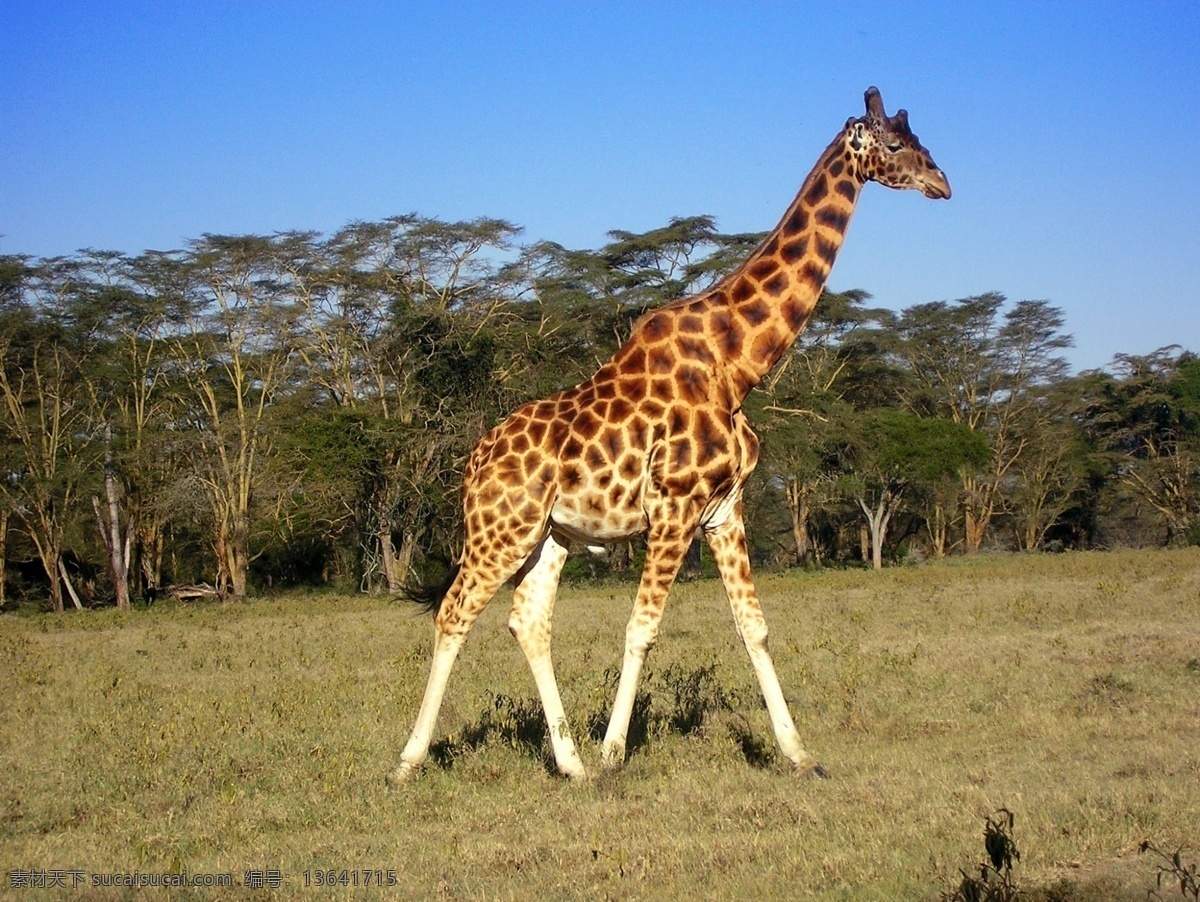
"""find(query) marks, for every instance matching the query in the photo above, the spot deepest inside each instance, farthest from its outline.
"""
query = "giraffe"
(657, 443)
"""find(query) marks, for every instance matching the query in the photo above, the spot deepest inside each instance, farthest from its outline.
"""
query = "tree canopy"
(295, 408)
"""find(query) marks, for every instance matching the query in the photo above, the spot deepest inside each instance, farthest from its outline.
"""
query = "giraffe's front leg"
(728, 544)
(664, 555)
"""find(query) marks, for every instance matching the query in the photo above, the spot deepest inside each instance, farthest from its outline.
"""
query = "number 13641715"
(350, 877)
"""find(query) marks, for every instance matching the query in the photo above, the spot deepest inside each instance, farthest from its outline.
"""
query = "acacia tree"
(683, 257)
(399, 325)
(1052, 471)
(147, 305)
(1149, 417)
(452, 326)
(232, 357)
(343, 288)
(603, 291)
(116, 313)
(45, 424)
(796, 454)
(983, 370)
(14, 271)
(43, 415)
(889, 455)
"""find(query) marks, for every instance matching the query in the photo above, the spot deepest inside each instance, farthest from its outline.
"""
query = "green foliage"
(888, 457)
(895, 445)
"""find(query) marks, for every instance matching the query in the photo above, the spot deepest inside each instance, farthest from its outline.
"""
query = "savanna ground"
(256, 736)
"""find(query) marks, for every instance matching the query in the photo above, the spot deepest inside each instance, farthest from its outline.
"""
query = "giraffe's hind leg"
(728, 544)
(529, 622)
(472, 589)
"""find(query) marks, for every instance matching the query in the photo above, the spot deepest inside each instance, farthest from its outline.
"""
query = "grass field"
(255, 737)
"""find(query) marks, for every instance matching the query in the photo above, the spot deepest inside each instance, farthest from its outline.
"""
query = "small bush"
(1172, 870)
(995, 881)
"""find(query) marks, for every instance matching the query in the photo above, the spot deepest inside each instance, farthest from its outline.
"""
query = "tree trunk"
(56, 592)
(115, 552)
(975, 527)
(221, 553)
(938, 526)
(404, 557)
(135, 566)
(979, 503)
(1030, 540)
(231, 554)
(3, 554)
(151, 556)
(798, 508)
(110, 532)
(877, 523)
(49, 556)
(62, 569)
(388, 553)
(239, 556)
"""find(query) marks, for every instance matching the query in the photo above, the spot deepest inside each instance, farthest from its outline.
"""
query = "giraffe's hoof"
(575, 774)
(813, 771)
(404, 773)
(805, 765)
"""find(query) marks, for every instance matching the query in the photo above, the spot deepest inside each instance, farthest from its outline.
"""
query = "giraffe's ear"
(899, 122)
(874, 103)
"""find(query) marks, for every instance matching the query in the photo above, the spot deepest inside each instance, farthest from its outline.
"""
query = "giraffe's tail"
(430, 597)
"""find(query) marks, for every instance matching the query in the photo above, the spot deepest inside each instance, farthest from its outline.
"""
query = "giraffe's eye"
(894, 147)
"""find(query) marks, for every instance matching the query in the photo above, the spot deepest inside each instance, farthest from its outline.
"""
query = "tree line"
(257, 411)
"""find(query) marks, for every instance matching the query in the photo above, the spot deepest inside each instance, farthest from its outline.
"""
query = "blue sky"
(1068, 131)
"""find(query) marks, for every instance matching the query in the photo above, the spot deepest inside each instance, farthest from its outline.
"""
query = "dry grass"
(225, 738)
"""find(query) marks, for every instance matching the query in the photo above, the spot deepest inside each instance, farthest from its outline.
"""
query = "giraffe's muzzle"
(936, 185)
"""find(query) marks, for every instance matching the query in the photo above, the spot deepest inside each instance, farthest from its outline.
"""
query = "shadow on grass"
(676, 701)
(758, 753)
(516, 723)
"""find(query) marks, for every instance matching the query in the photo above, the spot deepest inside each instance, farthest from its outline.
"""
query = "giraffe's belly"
(591, 517)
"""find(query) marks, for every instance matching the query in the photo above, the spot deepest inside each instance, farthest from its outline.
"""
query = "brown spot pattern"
(833, 218)
(817, 191)
(657, 328)
(777, 284)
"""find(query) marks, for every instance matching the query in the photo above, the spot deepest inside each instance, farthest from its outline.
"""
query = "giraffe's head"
(889, 153)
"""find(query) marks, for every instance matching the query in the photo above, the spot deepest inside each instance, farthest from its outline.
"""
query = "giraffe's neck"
(770, 297)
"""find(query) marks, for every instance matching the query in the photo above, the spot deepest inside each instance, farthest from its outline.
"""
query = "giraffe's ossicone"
(656, 443)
